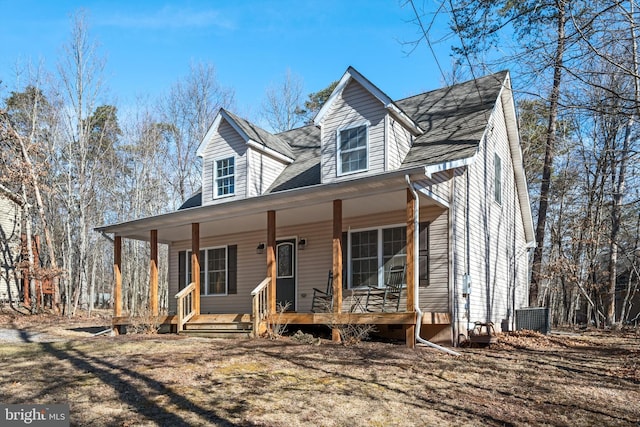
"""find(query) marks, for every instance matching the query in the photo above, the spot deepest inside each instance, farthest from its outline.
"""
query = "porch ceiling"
(292, 208)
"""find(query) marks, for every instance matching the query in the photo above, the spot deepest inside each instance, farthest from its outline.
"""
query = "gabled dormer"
(239, 159)
(363, 130)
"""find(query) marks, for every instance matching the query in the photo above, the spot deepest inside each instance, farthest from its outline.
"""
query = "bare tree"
(86, 153)
(141, 191)
(282, 106)
(27, 128)
(186, 114)
(9, 133)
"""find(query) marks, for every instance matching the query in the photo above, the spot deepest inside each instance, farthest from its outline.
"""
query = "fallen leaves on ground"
(588, 379)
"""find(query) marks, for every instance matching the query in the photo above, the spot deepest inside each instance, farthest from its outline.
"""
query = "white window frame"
(339, 152)
(497, 179)
(380, 253)
(216, 177)
(204, 264)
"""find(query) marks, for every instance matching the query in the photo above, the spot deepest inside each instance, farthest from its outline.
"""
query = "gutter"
(296, 197)
(416, 276)
(451, 164)
(269, 151)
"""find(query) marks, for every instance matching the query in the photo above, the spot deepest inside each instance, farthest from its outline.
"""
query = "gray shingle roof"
(193, 201)
(305, 171)
(453, 119)
(261, 136)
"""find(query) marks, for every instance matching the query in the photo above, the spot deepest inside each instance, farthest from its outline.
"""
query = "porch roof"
(296, 206)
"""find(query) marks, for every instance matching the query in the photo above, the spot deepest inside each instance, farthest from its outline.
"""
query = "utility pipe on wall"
(416, 273)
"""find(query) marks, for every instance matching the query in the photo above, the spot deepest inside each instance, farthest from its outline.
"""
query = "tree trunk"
(28, 241)
(616, 212)
(548, 157)
(616, 217)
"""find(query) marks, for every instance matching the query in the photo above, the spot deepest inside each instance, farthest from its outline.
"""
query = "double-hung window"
(374, 252)
(352, 150)
(218, 270)
(364, 258)
(213, 271)
(224, 177)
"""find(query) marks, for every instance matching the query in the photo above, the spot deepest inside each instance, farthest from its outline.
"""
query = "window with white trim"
(352, 150)
(373, 252)
(497, 178)
(224, 177)
(213, 271)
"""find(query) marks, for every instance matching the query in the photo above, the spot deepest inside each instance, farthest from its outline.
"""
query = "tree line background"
(80, 162)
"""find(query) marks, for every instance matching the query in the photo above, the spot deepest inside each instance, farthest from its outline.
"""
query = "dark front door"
(286, 274)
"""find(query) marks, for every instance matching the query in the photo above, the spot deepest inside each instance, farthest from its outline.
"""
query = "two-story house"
(432, 184)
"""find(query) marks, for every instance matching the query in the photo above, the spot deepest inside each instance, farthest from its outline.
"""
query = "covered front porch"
(320, 228)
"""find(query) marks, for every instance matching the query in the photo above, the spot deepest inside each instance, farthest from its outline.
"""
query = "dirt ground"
(565, 379)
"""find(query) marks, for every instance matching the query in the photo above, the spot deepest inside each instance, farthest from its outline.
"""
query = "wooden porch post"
(117, 274)
(271, 259)
(153, 274)
(337, 264)
(195, 264)
(411, 265)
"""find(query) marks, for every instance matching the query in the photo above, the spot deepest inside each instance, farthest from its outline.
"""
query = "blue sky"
(148, 44)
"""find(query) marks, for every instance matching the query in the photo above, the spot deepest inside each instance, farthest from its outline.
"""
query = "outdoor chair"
(323, 300)
(388, 298)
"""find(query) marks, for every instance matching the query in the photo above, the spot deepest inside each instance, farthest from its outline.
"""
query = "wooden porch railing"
(260, 306)
(186, 308)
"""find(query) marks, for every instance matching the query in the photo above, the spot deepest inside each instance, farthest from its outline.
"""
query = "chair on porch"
(388, 298)
(323, 300)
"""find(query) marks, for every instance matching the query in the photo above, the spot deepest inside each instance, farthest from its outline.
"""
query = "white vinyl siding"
(438, 185)
(263, 171)
(497, 257)
(315, 261)
(251, 271)
(435, 296)
(225, 143)
(354, 107)
(10, 218)
(399, 143)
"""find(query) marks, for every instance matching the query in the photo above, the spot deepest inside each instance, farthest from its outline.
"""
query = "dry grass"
(526, 379)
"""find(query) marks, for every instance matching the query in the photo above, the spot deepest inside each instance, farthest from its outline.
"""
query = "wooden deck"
(401, 318)
(241, 324)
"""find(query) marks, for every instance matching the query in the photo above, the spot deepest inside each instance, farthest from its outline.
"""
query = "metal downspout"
(416, 273)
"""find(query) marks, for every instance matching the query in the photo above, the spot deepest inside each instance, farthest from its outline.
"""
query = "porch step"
(219, 326)
(215, 333)
(230, 326)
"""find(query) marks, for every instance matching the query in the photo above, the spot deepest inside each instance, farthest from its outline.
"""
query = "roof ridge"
(451, 86)
(294, 129)
(242, 122)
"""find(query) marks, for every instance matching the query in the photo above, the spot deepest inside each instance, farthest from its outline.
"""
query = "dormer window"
(353, 149)
(224, 177)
